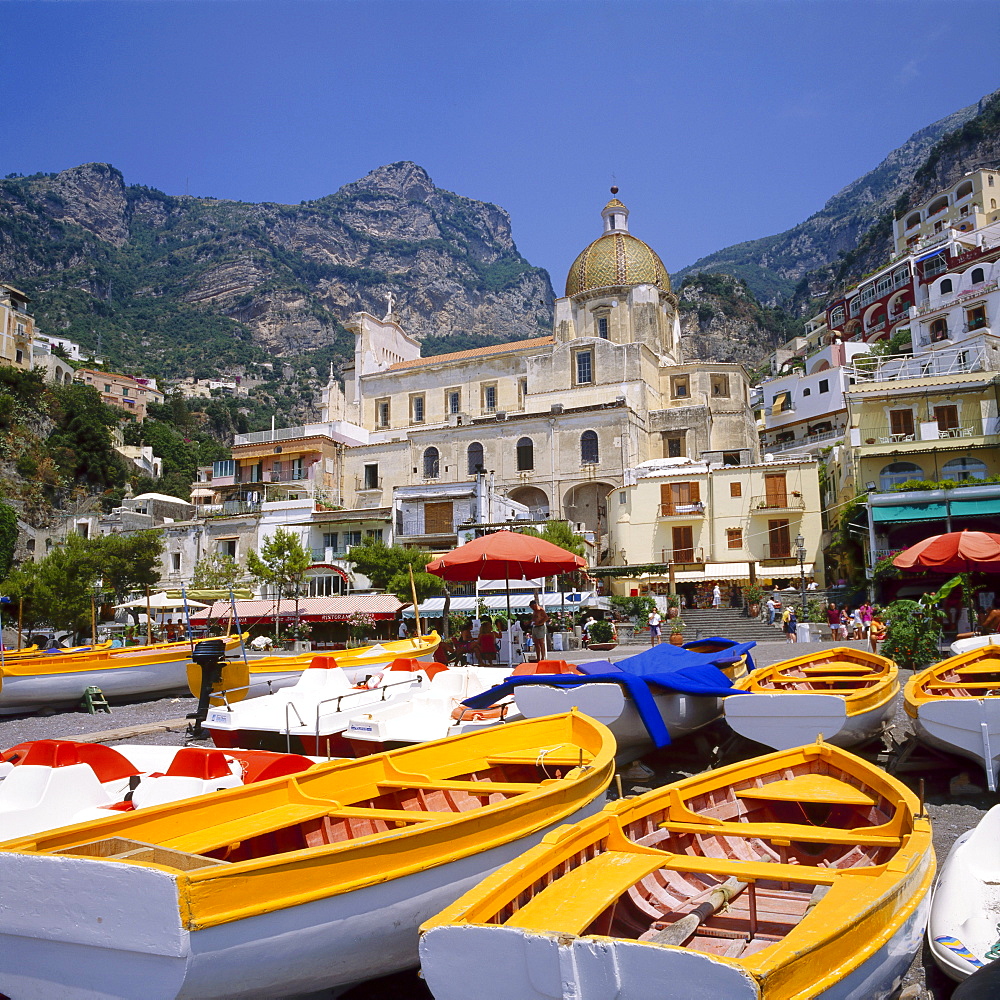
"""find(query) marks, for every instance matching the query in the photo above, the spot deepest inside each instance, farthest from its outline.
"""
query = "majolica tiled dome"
(616, 258)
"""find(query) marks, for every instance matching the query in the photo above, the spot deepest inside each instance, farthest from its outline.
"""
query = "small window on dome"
(611, 222)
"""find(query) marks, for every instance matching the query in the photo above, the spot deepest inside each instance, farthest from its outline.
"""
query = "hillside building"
(125, 392)
(970, 204)
(17, 328)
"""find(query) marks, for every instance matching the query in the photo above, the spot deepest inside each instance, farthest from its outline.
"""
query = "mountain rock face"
(774, 265)
(177, 283)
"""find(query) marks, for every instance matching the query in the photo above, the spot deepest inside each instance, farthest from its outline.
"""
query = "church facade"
(555, 423)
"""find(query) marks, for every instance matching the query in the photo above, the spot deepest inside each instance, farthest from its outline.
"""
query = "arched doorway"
(587, 504)
(533, 498)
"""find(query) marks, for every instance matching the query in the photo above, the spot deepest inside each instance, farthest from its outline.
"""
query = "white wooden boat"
(955, 706)
(432, 712)
(311, 716)
(60, 679)
(612, 704)
(965, 909)
(974, 642)
(844, 695)
(51, 783)
(801, 875)
(303, 883)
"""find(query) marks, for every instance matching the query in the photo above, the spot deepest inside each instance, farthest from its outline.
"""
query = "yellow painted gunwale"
(413, 648)
(984, 660)
(123, 658)
(222, 893)
(860, 913)
(857, 701)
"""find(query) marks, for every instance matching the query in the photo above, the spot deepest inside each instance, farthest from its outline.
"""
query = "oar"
(680, 930)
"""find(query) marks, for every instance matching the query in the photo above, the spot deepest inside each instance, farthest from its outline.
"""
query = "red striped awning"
(311, 609)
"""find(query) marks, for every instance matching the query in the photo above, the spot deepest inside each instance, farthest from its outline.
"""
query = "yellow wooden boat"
(56, 679)
(955, 706)
(843, 694)
(301, 883)
(801, 875)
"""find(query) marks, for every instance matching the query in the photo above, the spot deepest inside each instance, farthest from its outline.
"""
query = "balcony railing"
(364, 483)
(788, 502)
(288, 476)
(780, 552)
(882, 435)
(328, 554)
(696, 509)
(804, 442)
(229, 508)
(951, 361)
(685, 556)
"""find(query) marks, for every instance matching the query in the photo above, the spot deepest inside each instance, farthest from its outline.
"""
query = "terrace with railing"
(777, 502)
(975, 357)
(683, 556)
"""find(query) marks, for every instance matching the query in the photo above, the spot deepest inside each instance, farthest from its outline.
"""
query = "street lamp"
(800, 545)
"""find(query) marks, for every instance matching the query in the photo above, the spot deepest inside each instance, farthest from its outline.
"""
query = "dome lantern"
(616, 258)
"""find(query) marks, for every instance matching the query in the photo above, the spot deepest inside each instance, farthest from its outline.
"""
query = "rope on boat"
(994, 952)
(540, 759)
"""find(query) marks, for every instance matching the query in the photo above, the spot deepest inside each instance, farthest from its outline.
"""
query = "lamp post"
(800, 545)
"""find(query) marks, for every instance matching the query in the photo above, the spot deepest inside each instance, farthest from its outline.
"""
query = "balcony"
(696, 509)
(288, 476)
(779, 554)
(328, 554)
(773, 504)
(683, 557)
(950, 361)
(882, 435)
(805, 442)
(363, 483)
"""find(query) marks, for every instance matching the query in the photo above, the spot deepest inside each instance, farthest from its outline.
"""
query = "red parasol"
(954, 552)
(505, 555)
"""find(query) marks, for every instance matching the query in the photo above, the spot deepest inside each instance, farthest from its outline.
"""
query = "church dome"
(616, 257)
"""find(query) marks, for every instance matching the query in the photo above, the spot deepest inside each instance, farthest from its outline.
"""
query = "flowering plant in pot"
(361, 624)
(676, 631)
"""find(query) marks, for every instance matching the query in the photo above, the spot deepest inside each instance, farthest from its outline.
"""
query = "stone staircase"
(728, 623)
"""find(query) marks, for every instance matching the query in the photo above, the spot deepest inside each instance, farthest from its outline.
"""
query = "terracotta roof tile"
(476, 352)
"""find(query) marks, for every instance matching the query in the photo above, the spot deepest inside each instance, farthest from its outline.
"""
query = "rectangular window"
(602, 327)
(454, 401)
(976, 317)
(371, 476)
(227, 467)
(330, 540)
(775, 490)
(107, 388)
(680, 387)
(683, 544)
(734, 538)
(901, 423)
(373, 534)
(679, 498)
(720, 386)
(382, 412)
(124, 390)
(351, 538)
(673, 446)
(522, 392)
(489, 399)
(439, 518)
(946, 417)
(416, 409)
(226, 547)
(736, 489)
(622, 496)
(779, 540)
(584, 367)
(824, 385)
(175, 562)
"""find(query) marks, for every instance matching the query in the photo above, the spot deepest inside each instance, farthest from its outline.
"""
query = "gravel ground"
(954, 789)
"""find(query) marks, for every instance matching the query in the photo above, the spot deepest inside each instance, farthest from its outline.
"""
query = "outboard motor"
(210, 655)
(981, 985)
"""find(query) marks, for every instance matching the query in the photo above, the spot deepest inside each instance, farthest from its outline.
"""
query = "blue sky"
(720, 121)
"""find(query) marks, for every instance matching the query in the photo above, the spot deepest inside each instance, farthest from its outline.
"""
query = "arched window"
(590, 452)
(961, 469)
(913, 220)
(945, 287)
(939, 329)
(525, 455)
(432, 464)
(899, 472)
(978, 276)
(475, 454)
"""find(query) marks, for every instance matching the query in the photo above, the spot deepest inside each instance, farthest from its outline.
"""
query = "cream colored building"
(17, 328)
(969, 204)
(691, 522)
(557, 419)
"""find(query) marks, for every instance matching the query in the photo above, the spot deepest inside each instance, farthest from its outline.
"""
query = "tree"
(282, 566)
(8, 538)
(218, 571)
(128, 563)
(59, 588)
(388, 568)
(561, 534)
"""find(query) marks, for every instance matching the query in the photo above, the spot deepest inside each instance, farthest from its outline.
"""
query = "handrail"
(351, 694)
(288, 727)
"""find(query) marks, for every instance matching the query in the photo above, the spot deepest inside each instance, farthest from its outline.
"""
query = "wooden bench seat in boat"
(819, 788)
(886, 836)
(540, 758)
(584, 893)
(838, 668)
(967, 685)
(473, 787)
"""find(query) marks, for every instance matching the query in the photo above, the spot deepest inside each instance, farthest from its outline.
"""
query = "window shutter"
(695, 492)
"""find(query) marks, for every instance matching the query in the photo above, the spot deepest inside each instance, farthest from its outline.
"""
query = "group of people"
(862, 622)
(487, 641)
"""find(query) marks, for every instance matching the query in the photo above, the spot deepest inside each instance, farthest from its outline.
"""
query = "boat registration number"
(361, 729)
(222, 717)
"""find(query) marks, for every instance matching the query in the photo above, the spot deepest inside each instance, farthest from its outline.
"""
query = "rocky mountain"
(774, 265)
(176, 284)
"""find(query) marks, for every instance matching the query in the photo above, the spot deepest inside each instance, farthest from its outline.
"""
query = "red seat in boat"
(194, 762)
(545, 667)
(107, 763)
(259, 765)
(323, 663)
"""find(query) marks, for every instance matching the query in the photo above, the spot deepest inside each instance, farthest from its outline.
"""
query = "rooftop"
(475, 352)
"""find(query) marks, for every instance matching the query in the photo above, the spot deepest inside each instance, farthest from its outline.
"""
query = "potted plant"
(676, 631)
(360, 625)
(602, 636)
(673, 606)
(296, 637)
(753, 596)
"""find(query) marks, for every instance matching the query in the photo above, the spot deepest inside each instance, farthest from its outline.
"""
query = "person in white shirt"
(404, 632)
(716, 597)
(654, 627)
(772, 610)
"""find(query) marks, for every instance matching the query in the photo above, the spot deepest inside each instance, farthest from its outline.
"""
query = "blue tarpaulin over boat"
(669, 667)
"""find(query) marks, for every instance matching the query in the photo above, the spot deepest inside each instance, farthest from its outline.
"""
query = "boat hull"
(610, 703)
(789, 719)
(543, 967)
(969, 727)
(333, 942)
